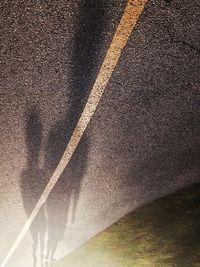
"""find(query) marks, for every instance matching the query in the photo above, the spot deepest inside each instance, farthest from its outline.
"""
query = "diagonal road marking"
(129, 19)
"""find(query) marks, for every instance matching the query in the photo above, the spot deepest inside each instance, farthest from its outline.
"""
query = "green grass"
(163, 233)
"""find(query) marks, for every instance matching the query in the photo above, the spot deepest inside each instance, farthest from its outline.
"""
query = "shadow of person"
(66, 191)
(32, 181)
(65, 194)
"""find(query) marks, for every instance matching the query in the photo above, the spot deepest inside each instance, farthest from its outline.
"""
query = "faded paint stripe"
(131, 13)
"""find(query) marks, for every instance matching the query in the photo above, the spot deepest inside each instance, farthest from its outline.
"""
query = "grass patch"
(163, 233)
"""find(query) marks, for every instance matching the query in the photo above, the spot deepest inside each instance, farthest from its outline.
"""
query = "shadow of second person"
(32, 182)
(65, 194)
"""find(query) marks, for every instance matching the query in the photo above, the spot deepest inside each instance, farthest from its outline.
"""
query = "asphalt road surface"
(142, 142)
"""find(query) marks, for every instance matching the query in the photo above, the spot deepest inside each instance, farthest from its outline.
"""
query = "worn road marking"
(131, 13)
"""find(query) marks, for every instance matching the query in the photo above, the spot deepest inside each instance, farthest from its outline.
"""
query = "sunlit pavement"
(143, 141)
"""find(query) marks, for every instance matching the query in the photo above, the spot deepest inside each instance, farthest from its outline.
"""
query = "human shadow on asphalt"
(65, 195)
(67, 190)
(32, 180)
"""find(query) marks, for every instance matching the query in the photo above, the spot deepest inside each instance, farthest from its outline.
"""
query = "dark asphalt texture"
(143, 142)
